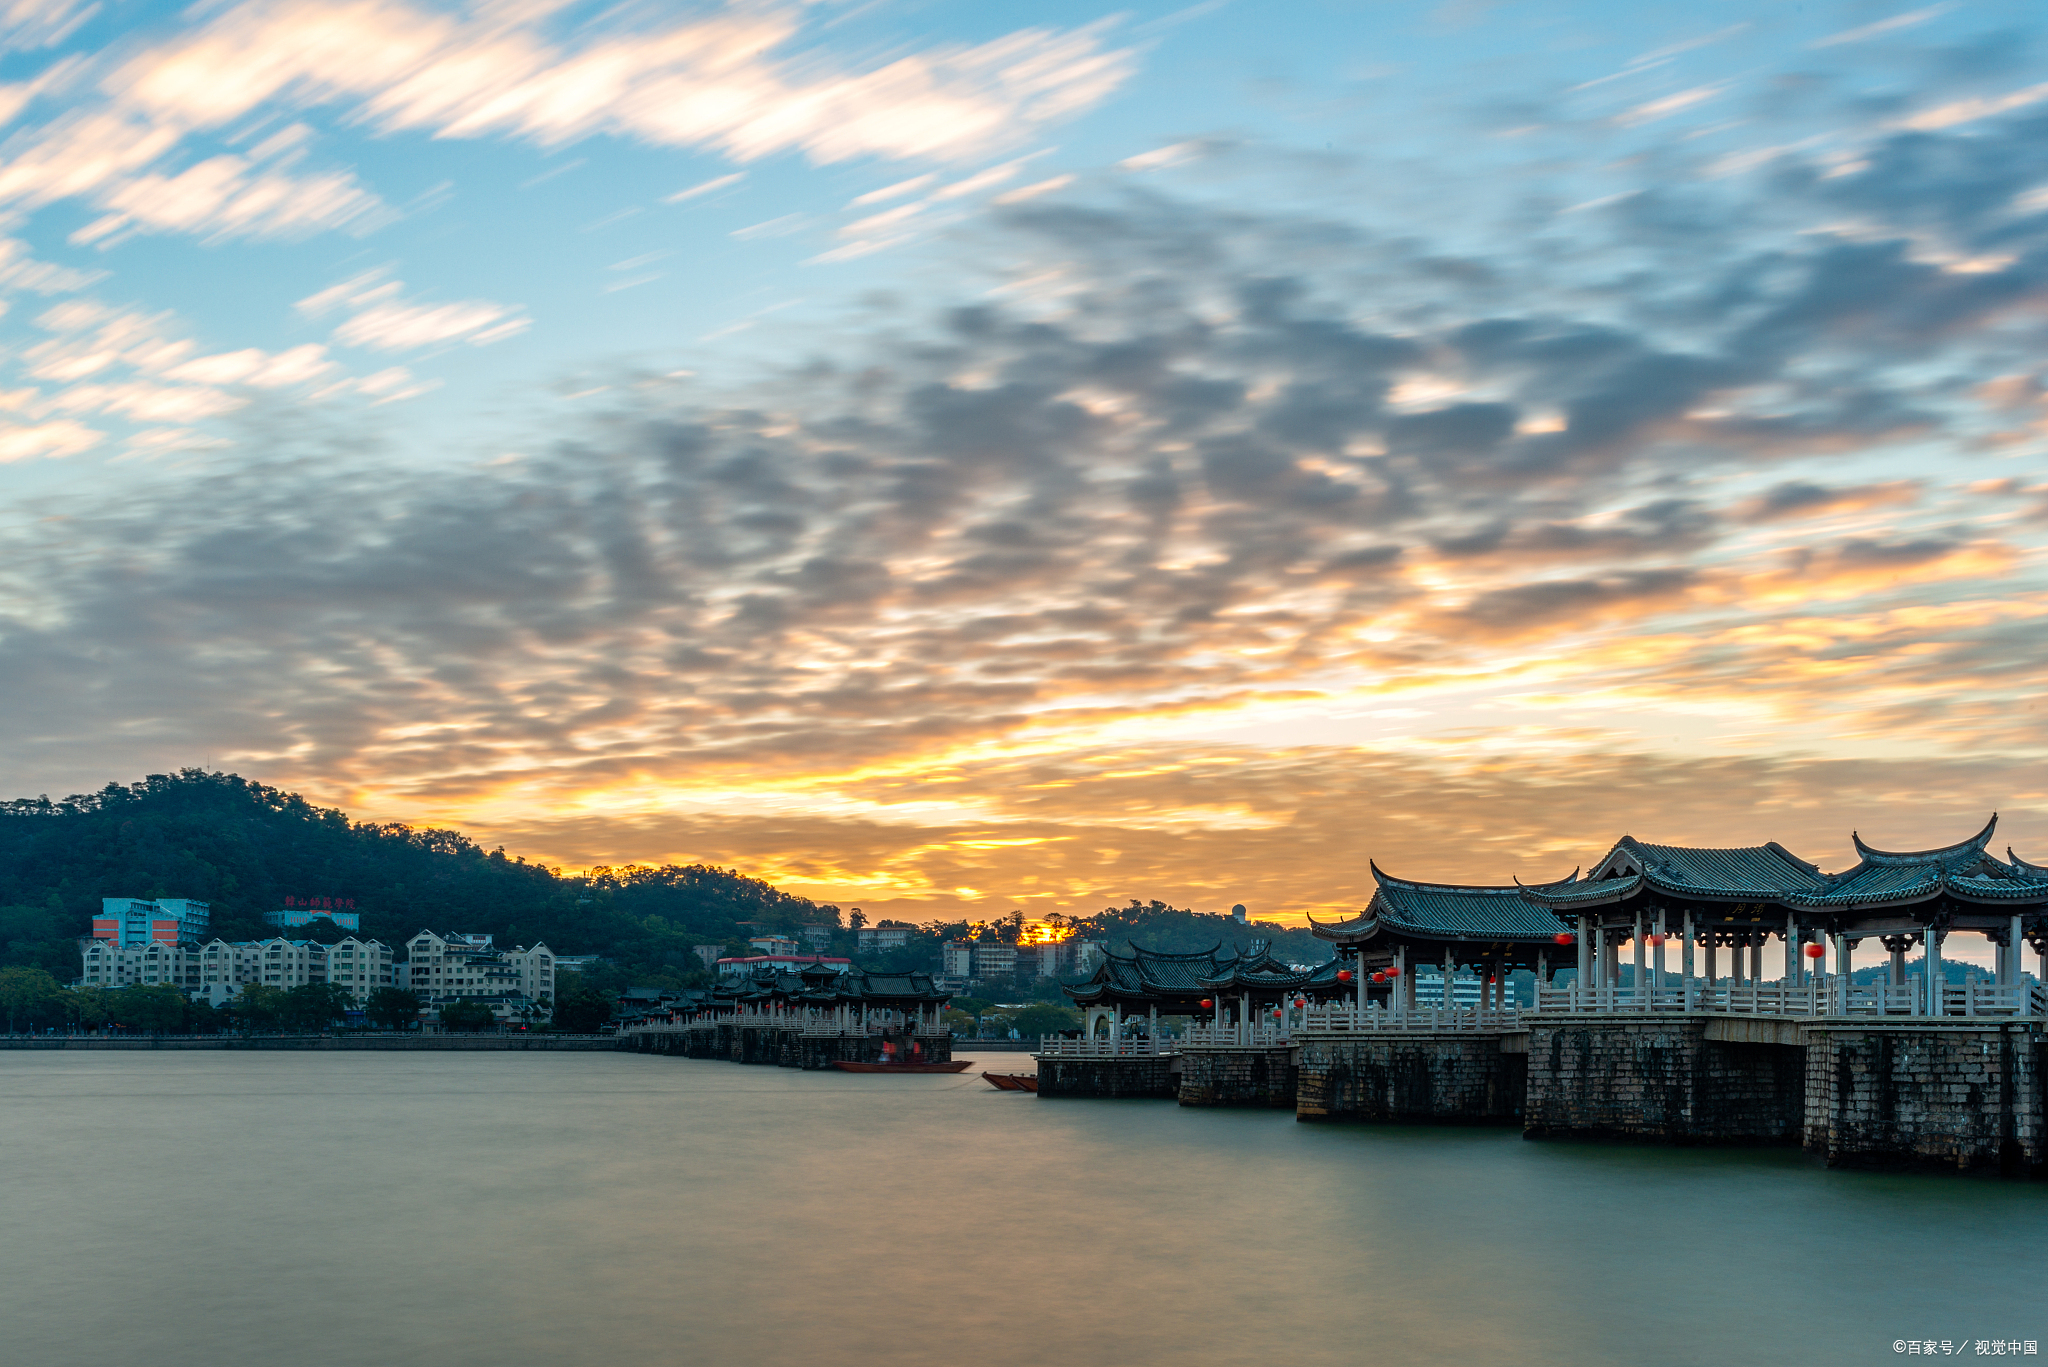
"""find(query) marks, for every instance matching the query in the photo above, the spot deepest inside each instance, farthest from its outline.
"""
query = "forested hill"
(245, 848)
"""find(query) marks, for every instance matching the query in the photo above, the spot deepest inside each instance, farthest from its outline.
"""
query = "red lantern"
(1563, 937)
(1343, 975)
(1654, 938)
(1207, 1003)
(1815, 951)
(1393, 970)
(1301, 1001)
(1379, 977)
(1276, 1015)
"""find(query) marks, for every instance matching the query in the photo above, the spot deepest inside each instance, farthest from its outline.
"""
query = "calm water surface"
(362, 1210)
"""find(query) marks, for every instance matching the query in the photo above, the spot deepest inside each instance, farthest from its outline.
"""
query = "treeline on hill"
(245, 848)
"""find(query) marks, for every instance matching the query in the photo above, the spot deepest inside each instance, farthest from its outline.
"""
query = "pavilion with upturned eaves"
(1491, 929)
(1710, 902)
(1224, 987)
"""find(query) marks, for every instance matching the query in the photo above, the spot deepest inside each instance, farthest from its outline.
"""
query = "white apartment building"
(110, 964)
(361, 966)
(445, 968)
(872, 939)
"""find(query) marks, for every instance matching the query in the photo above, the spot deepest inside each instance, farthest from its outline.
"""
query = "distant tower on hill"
(1237, 913)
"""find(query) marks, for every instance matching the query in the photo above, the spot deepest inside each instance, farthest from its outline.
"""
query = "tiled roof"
(1963, 852)
(1748, 871)
(1451, 911)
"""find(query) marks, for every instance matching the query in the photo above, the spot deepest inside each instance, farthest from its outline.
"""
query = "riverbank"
(549, 1044)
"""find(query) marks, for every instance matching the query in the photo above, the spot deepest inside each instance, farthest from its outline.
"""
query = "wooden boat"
(847, 1066)
(1011, 1082)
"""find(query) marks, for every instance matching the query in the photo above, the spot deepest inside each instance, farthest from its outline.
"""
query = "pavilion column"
(1542, 974)
(1898, 974)
(1585, 978)
(1713, 971)
(1407, 982)
(1844, 947)
(1636, 932)
(1756, 960)
(1245, 1019)
(2015, 942)
(1935, 983)
(1791, 950)
(1450, 971)
(1152, 1031)
(1358, 967)
(1685, 955)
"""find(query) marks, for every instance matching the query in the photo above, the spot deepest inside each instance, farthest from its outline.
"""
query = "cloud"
(1189, 471)
(382, 319)
(703, 82)
(1797, 498)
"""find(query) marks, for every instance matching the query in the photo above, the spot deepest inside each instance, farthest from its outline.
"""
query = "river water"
(557, 1210)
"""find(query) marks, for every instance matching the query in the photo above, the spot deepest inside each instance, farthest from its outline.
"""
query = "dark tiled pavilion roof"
(1447, 911)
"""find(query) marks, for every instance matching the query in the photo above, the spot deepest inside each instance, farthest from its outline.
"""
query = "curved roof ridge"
(1872, 855)
(1504, 889)
(1178, 957)
(2023, 865)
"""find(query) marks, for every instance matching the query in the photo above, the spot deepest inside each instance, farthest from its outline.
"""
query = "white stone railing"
(1128, 1047)
(1347, 1019)
(1818, 996)
(1273, 1036)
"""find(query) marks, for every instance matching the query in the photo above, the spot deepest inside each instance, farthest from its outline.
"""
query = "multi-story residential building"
(446, 968)
(818, 938)
(873, 939)
(135, 921)
(109, 963)
(225, 968)
(289, 963)
(994, 961)
(361, 966)
(774, 944)
(958, 956)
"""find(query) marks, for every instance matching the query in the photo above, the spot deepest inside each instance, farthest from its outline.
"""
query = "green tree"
(25, 991)
(580, 1008)
(157, 1008)
(394, 1008)
(467, 1015)
(257, 1007)
(88, 1007)
(314, 1006)
(1043, 1018)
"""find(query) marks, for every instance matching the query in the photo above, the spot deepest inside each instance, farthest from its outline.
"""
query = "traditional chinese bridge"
(1690, 1045)
(810, 1018)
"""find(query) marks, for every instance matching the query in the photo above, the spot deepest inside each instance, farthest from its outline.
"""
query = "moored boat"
(1011, 1082)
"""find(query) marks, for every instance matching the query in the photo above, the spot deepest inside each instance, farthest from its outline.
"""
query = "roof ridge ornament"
(1872, 854)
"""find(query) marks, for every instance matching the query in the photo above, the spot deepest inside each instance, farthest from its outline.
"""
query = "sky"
(949, 458)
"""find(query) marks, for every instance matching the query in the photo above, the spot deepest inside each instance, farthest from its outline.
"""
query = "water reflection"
(563, 1210)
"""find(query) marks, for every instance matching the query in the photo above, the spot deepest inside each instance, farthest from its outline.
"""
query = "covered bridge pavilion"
(1216, 984)
(1738, 899)
(1490, 928)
